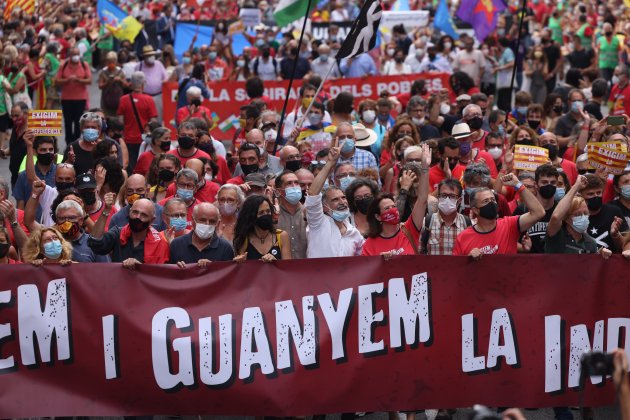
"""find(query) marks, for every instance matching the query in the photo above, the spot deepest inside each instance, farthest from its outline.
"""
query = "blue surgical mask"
(501, 130)
(522, 110)
(293, 194)
(577, 106)
(212, 55)
(560, 192)
(324, 57)
(344, 183)
(185, 194)
(90, 134)
(52, 249)
(186, 60)
(178, 223)
(340, 215)
(469, 190)
(347, 146)
(625, 192)
(580, 223)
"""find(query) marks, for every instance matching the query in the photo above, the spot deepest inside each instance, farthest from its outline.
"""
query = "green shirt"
(107, 44)
(563, 243)
(556, 29)
(52, 68)
(586, 40)
(608, 52)
(3, 91)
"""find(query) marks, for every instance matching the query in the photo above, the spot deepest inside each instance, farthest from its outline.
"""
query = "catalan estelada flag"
(28, 6)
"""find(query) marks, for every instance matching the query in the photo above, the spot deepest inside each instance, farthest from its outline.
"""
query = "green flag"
(288, 11)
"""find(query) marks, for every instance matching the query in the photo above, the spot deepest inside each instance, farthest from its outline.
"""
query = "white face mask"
(417, 121)
(369, 115)
(270, 135)
(75, 58)
(207, 177)
(447, 205)
(390, 52)
(445, 108)
(204, 231)
(151, 60)
(495, 152)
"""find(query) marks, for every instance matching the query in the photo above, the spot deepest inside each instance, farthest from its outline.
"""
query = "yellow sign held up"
(45, 122)
(612, 158)
(528, 158)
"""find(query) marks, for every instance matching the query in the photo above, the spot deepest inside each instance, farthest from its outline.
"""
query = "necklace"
(262, 239)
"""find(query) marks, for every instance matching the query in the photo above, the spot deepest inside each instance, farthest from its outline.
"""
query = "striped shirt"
(442, 236)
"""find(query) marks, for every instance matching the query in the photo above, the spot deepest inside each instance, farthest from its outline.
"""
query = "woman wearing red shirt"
(5, 247)
(387, 236)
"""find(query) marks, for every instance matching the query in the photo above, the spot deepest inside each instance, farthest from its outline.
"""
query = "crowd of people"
(421, 172)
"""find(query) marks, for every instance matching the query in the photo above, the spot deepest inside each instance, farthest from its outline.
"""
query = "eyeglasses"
(65, 165)
(363, 197)
(586, 171)
(72, 219)
(448, 196)
(186, 186)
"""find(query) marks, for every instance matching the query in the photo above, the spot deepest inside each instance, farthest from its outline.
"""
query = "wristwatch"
(14, 224)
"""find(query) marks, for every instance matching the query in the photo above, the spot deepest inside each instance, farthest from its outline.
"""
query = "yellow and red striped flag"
(45, 122)
(528, 158)
(28, 6)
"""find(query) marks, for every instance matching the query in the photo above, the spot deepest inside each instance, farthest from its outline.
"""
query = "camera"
(597, 364)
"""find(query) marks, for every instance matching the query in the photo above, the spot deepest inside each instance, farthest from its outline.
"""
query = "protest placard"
(409, 19)
(528, 158)
(612, 158)
(45, 122)
(250, 17)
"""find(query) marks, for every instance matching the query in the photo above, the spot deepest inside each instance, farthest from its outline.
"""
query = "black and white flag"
(362, 36)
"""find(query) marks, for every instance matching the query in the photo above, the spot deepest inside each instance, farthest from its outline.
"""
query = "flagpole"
(518, 44)
(286, 100)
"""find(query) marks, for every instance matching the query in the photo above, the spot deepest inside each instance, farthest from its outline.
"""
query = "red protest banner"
(226, 98)
(307, 336)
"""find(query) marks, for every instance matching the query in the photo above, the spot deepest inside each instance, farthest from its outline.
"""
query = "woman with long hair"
(161, 174)
(6, 249)
(47, 246)
(255, 237)
(403, 127)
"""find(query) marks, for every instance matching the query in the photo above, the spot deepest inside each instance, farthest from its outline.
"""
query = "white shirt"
(266, 70)
(45, 202)
(318, 66)
(324, 237)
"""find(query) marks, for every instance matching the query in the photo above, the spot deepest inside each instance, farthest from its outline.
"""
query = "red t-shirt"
(206, 194)
(224, 172)
(501, 240)
(609, 192)
(144, 163)
(620, 99)
(95, 216)
(570, 169)
(237, 180)
(397, 243)
(198, 154)
(189, 211)
(145, 105)
(436, 175)
(184, 112)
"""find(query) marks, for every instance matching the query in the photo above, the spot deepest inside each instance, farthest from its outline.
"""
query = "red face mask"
(391, 216)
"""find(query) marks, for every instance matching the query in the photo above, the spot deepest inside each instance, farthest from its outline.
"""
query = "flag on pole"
(364, 31)
(481, 14)
(288, 11)
(443, 20)
(28, 6)
(122, 26)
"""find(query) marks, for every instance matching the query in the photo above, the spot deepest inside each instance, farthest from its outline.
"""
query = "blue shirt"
(22, 188)
(361, 65)
(182, 249)
(182, 100)
(121, 218)
(81, 252)
(361, 160)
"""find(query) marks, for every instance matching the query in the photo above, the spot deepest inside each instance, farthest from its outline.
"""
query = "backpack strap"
(410, 238)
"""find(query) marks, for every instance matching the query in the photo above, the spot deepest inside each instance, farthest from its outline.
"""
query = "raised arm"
(536, 210)
(31, 205)
(99, 227)
(419, 209)
(8, 209)
(28, 138)
(563, 207)
(320, 179)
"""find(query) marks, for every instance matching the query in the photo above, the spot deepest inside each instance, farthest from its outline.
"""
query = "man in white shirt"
(470, 60)
(265, 66)
(330, 234)
(307, 94)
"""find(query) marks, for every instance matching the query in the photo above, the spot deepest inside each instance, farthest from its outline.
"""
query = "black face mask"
(594, 203)
(475, 123)
(489, 211)
(249, 169)
(398, 60)
(88, 198)
(363, 204)
(165, 146)
(4, 250)
(186, 142)
(136, 225)
(451, 163)
(166, 175)
(266, 53)
(533, 124)
(525, 142)
(207, 147)
(45, 158)
(553, 151)
(62, 186)
(293, 165)
(547, 191)
(265, 222)
(557, 109)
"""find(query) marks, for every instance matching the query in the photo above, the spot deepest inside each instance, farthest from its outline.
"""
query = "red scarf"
(156, 249)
